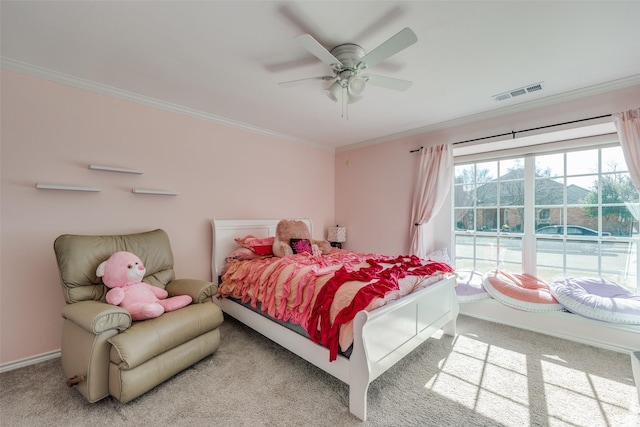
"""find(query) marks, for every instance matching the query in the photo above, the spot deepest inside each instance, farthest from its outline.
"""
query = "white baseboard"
(635, 367)
(611, 336)
(10, 366)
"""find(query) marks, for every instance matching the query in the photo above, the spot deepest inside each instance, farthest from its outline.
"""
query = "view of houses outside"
(584, 215)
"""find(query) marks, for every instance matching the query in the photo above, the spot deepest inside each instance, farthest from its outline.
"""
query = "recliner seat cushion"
(149, 338)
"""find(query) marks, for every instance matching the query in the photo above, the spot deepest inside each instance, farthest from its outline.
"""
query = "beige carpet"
(489, 375)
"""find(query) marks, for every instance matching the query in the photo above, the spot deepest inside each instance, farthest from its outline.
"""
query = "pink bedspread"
(323, 293)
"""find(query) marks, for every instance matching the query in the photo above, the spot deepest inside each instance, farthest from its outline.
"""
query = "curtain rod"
(513, 133)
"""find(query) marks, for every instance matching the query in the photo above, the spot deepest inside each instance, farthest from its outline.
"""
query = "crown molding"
(524, 106)
(66, 79)
(80, 83)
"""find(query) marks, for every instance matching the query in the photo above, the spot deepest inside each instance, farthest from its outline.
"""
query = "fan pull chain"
(344, 103)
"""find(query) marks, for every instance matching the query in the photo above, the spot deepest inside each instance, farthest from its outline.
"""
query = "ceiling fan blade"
(277, 67)
(313, 46)
(301, 81)
(395, 12)
(395, 44)
(388, 82)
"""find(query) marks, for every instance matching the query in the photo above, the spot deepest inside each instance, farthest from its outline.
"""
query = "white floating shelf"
(157, 192)
(115, 169)
(66, 187)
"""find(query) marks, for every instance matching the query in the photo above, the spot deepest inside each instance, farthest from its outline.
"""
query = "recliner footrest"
(142, 341)
(126, 385)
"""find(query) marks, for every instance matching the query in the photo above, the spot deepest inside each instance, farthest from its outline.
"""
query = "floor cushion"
(521, 291)
(598, 298)
(469, 286)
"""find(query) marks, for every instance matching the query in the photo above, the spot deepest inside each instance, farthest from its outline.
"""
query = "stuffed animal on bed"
(123, 273)
(293, 237)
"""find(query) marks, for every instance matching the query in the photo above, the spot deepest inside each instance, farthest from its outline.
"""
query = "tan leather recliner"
(103, 351)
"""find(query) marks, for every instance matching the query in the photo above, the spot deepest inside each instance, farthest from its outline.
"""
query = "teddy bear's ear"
(100, 269)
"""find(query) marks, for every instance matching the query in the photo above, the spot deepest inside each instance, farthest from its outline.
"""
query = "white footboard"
(381, 337)
(386, 335)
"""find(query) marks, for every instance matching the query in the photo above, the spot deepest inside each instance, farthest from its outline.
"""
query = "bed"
(381, 337)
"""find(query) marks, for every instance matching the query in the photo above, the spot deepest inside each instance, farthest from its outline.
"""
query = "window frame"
(529, 238)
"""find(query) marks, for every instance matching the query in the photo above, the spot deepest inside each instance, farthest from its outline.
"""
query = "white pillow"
(441, 255)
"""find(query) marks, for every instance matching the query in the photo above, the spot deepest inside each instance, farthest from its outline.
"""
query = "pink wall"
(50, 134)
(374, 184)
(373, 196)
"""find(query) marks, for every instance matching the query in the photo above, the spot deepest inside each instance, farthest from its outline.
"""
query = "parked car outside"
(572, 230)
(550, 239)
(587, 246)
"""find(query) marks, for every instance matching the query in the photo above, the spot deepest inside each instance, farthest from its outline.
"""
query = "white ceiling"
(222, 60)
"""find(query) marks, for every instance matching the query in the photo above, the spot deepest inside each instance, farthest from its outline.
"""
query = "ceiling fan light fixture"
(357, 85)
(333, 91)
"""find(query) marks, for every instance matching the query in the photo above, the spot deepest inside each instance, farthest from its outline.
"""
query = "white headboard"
(226, 230)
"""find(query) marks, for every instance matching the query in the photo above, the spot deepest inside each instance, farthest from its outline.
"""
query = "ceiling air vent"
(502, 97)
(535, 87)
(517, 92)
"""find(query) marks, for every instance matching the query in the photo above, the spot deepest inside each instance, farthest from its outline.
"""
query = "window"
(558, 210)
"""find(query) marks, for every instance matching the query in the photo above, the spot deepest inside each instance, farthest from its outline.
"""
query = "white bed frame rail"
(381, 337)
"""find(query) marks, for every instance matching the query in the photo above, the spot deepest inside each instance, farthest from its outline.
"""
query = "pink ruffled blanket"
(323, 293)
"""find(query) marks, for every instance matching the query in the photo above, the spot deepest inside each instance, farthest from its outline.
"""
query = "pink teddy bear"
(123, 273)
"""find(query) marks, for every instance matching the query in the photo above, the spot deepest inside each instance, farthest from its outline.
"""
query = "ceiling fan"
(348, 62)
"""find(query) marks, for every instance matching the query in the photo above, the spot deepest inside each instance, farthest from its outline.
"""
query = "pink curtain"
(432, 187)
(628, 127)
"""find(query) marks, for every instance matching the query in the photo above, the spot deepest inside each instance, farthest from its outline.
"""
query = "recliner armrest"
(96, 316)
(199, 290)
